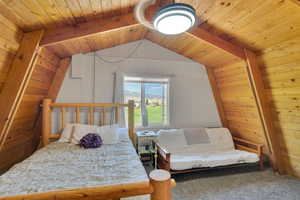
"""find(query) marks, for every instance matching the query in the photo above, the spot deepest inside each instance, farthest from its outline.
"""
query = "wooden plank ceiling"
(32, 14)
(234, 20)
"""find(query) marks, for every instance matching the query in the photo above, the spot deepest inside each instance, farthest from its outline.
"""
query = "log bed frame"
(164, 157)
(160, 183)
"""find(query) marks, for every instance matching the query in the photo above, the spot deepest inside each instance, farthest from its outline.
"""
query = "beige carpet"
(235, 184)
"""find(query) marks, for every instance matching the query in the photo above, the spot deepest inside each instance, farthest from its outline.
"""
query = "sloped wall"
(10, 37)
(238, 102)
(280, 66)
(23, 137)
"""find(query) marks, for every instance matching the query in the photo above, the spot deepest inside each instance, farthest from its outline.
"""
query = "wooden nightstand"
(145, 147)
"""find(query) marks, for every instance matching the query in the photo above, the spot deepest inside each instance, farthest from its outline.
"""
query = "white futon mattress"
(181, 161)
(61, 166)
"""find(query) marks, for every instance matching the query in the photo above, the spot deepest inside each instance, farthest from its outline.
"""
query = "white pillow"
(81, 130)
(173, 140)
(67, 132)
(109, 134)
(221, 138)
(122, 133)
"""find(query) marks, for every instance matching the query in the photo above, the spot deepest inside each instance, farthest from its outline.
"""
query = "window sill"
(166, 126)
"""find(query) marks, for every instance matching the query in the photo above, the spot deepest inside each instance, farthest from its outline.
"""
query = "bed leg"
(161, 182)
(261, 164)
(261, 158)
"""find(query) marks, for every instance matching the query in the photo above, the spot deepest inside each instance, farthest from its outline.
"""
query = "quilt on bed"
(61, 166)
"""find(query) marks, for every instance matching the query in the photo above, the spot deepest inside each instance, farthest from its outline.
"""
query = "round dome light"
(174, 18)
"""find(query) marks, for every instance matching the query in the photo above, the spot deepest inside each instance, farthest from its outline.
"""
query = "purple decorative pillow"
(91, 140)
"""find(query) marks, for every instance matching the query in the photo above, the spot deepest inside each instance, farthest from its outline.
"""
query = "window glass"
(151, 101)
(155, 103)
(132, 91)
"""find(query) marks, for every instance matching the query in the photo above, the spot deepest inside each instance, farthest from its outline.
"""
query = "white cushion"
(109, 134)
(173, 140)
(196, 136)
(67, 132)
(181, 161)
(81, 130)
(220, 138)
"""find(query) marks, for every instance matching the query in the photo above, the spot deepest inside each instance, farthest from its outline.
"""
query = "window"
(151, 97)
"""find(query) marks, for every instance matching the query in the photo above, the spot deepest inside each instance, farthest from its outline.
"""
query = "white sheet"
(61, 166)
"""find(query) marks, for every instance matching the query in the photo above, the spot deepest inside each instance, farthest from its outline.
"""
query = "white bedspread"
(61, 166)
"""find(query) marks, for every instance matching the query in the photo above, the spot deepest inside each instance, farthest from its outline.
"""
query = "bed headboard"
(48, 106)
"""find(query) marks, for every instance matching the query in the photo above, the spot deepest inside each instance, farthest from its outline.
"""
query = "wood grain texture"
(32, 15)
(256, 25)
(10, 38)
(233, 20)
(215, 41)
(264, 109)
(22, 67)
(99, 41)
(87, 29)
(279, 65)
(194, 48)
(25, 130)
(238, 101)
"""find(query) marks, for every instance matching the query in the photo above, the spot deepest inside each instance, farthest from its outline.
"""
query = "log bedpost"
(46, 130)
(161, 182)
(131, 121)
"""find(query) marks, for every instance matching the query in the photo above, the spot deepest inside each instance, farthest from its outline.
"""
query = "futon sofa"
(195, 149)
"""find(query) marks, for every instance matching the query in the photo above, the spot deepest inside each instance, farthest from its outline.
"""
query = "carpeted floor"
(235, 184)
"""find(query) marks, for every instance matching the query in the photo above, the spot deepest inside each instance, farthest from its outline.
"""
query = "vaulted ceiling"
(255, 24)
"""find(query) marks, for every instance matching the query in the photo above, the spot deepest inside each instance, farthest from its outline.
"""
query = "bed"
(67, 171)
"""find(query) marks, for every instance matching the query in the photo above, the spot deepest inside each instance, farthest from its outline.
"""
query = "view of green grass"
(154, 114)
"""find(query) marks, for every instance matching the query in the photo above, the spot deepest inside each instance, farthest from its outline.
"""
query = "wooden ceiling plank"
(125, 6)
(217, 42)
(55, 36)
(106, 6)
(7, 11)
(87, 9)
(97, 8)
(28, 14)
(17, 80)
(52, 12)
(64, 11)
(76, 11)
(116, 7)
(10, 25)
(40, 13)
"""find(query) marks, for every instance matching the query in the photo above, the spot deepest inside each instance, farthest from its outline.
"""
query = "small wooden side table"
(146, 150)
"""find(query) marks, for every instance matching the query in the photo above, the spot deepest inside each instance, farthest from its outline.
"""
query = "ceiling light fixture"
(171, 19)
(174, 18)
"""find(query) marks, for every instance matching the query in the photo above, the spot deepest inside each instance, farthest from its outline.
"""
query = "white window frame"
(151, 79)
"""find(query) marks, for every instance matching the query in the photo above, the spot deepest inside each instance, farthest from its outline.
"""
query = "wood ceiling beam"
(17, 80)
(98, 26)
(217, 42)
(87, 29)
(264, 110)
